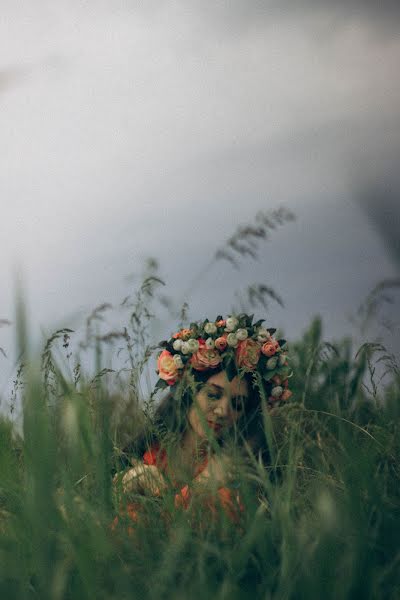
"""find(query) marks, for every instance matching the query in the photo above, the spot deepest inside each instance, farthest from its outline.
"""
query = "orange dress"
(228, 499)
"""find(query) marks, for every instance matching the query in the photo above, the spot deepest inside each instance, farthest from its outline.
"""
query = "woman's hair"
(169, 421)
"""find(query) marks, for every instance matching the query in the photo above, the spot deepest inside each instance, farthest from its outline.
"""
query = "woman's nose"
(222, 408)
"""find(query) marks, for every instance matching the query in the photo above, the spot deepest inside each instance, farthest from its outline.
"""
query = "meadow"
(321, 519)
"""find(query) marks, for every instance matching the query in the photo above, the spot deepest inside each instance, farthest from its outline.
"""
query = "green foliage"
(321, 519)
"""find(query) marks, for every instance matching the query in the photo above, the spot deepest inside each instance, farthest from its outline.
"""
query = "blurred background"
(135, 129)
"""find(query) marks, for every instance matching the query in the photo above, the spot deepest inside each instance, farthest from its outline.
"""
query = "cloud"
(243, 14)
(172, 122)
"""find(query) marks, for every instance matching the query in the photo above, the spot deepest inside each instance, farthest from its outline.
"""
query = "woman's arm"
(141, 479)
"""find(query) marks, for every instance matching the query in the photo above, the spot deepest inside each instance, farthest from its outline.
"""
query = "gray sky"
(131, 129)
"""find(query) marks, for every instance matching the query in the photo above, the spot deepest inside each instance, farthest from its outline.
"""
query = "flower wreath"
(235, 344)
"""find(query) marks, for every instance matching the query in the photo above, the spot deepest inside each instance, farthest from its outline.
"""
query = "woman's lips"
(215, 426)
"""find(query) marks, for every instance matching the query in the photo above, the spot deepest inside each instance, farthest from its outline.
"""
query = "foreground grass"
(321, 520)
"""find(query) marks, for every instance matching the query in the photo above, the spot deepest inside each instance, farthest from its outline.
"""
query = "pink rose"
(270, 348)
(221, 343)
(221, 323)
(247, 354)
(167, 368)
(205, 358)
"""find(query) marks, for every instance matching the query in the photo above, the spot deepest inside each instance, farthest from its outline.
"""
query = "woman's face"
(219, 403)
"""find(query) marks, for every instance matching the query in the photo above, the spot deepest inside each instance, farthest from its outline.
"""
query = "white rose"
(272, 362)
(185, 348)
(210, 343)
(277, 391)
(178, 361)
(177, 345)
(232, 340)
(210, 328)
(231, 324)
(193, 345)
(263, 335)
(241, 334)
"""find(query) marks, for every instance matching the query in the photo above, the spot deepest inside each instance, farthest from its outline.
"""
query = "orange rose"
(167, 368)
(186, 334)
(221, 323)
(183, 334)
(205, 358)
(270, 348)
(221, 343)
(247, 354)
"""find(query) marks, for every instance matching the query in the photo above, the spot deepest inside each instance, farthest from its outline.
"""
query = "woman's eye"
(213, 396)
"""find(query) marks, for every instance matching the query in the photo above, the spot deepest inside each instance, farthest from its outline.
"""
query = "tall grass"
(320, 520)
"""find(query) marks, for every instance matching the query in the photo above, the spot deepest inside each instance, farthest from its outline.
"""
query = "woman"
(219, 372)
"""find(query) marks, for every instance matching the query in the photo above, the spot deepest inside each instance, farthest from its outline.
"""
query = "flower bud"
(271, 362)
(283, 360)
(210, 328)
(210, 344)
(231, 324)
(185, 348)
(241, 334)
(178, 361)
(232, 340)
(177, 345)
(276, 391)
(193, 345)
(263, 335)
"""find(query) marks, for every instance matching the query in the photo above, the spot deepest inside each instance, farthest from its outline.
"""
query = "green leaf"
(249, 320)
(284, 372)
(262, 362)
(242, 321)
(230, 366)
(161, 385)
(268, 375)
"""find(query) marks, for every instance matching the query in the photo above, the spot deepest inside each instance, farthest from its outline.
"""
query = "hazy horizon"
(156, 129)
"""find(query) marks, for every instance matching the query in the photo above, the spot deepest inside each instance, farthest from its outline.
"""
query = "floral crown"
(235, 344)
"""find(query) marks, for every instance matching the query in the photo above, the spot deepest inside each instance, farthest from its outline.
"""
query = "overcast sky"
(130, 129)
